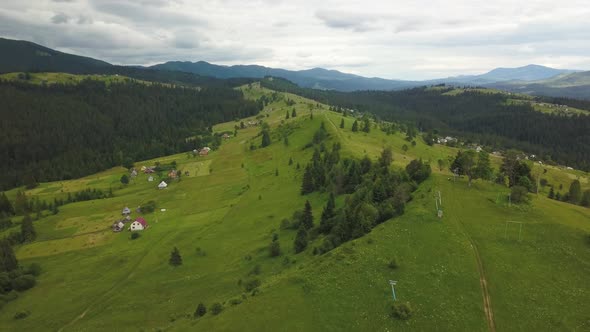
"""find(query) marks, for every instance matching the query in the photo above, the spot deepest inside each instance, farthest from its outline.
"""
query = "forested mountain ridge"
(67, 131)
(487, 118)
(20, 55)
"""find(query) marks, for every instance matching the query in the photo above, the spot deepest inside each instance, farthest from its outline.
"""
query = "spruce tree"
(366, 125)
(21, 205)
(8, 261)
(201, 310)
(355, 126)
(175, 258)
(293, 113)
(27, 229)
(327, 214)
(586, 198)
(265, 138)
(551, 193)
(307, 185)
(342, 123)
(290, 161)
(287, 116)
(124, 179)
(307, 217)
(300, 240)
(275, 249)
(575, 192)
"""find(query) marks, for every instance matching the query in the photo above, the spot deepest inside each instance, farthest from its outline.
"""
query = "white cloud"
(393, 39)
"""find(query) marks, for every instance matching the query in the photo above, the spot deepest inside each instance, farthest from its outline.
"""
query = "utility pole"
(393, 283)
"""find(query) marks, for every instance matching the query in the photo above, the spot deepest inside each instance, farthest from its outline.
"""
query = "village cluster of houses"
(445, 140)
(202, 152)
(138, 224)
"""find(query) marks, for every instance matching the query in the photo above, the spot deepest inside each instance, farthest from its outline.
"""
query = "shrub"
(23, 282)
(148, 207)
(235, 301)
(135, 235)
(402, 310)
(216, 308)
(22, 314)
(393, 263)
(519, 194)
(275, 249)
(33, 269)
(251, 284)
(201, 310)
(255, 270)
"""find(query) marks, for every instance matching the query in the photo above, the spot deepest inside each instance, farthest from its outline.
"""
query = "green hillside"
(222, 217)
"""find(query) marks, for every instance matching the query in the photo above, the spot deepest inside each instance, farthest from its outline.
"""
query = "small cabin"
(138, 225)
(162, 185)
(126, 211)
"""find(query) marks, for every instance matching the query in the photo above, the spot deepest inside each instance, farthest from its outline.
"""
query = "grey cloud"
(145, 15)
(343, 20)
(60, 18)
(84, 19)
(70, 1)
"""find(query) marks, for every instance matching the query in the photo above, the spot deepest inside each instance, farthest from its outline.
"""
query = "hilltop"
(223, 215)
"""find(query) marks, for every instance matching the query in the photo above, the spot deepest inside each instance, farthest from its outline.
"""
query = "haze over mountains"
(531, 79)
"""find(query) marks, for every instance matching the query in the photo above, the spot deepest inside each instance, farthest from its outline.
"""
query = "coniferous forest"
(486, 118)
(112, 125)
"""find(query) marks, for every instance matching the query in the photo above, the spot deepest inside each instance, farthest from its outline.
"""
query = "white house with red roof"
(138, 225)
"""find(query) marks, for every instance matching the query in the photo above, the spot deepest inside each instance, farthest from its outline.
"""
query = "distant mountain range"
(17, 56)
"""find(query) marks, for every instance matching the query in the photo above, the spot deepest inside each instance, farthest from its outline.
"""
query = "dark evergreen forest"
(480, 117)
(67, 131)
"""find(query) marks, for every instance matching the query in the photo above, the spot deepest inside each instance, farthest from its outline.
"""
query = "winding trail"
(487, 304)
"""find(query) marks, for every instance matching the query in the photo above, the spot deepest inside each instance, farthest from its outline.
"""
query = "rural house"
(150, 179)
(138, 225)
(225, 136)
(118, 226)
(126, 211)
(162, 185)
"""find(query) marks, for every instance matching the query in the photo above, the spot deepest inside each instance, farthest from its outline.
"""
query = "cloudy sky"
(392, 39)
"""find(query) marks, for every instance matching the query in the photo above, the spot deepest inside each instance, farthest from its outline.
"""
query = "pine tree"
(307, 217)
(287, 116)
(575, 192)
(586, 198)
(275, 249)
(366, 125)
(551, 193)
(21, 204)
(386, 157)
(8, 261)
(175, 258)
(27, 229)
(290, 161)
(300, 240)
(327, 214)
(307, 185)
(201, 310)
(265, 138)
(311, 115)
(355, 126)
(293, 113)
(276, 172)
(342, 123)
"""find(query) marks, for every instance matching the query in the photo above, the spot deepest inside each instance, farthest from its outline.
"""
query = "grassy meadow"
(222, 216)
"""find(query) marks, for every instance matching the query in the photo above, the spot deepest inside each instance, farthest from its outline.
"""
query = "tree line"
(62, 132)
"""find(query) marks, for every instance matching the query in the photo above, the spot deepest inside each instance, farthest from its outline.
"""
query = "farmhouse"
(173, 174)
(133, 173)
(162, 185)
(150, 179)
(126, 211)
(204, 151)
(225, 136)
(138, 225)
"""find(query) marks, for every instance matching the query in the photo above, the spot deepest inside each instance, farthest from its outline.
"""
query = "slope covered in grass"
(223, 214)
